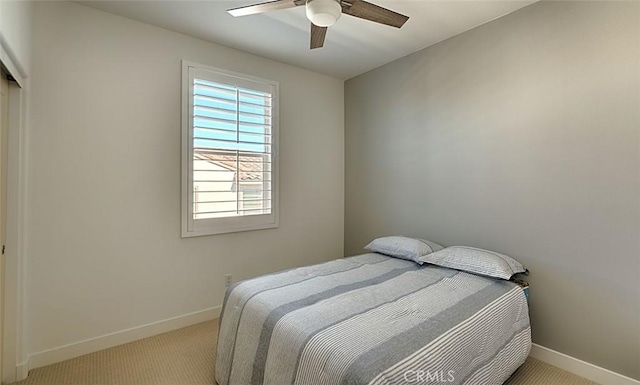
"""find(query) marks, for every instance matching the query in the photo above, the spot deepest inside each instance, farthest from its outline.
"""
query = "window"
(229, 152)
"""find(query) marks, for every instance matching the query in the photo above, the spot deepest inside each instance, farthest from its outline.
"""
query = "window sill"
(227, 229)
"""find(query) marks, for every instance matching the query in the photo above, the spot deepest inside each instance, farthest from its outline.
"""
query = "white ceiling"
(353, 46)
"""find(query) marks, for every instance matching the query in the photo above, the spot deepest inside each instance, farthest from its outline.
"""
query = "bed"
(372, 319)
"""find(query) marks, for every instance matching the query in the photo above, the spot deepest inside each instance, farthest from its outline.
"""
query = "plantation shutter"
(232, 142)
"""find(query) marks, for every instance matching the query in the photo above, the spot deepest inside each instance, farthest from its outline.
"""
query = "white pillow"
(476, 261)
(403, 247)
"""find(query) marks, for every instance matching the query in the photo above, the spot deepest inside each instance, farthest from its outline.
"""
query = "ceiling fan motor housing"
(323, 13)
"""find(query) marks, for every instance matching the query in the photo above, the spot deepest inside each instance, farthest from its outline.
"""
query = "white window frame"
(210, 226)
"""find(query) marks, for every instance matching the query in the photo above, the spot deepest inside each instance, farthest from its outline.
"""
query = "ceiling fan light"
(323, 13)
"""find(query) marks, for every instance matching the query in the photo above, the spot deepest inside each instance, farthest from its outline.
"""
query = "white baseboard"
(581, 368)
(22, 370)
(61, 353)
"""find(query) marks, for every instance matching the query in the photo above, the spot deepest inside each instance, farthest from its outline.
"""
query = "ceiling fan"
(324, 13)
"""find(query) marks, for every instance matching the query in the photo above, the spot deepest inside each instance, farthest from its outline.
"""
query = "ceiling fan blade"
(265, 7)
(317, 36)
(372, 12)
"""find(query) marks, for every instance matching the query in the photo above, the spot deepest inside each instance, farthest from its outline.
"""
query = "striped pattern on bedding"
(370, 319)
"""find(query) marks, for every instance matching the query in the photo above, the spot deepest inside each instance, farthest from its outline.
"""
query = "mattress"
(372, 319)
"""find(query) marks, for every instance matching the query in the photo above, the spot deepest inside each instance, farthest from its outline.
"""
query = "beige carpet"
(186, 357)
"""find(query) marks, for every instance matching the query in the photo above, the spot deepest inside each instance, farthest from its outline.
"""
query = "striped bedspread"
(372, 319)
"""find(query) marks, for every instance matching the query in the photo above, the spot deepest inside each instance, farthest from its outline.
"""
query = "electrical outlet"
(228, 280)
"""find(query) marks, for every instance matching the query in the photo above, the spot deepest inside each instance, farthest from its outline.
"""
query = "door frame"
(15, 361)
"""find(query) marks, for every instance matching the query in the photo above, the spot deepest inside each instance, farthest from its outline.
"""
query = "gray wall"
(520, 136)
(104, 252)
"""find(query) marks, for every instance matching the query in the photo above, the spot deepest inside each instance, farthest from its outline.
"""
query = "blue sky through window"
(230, 118)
